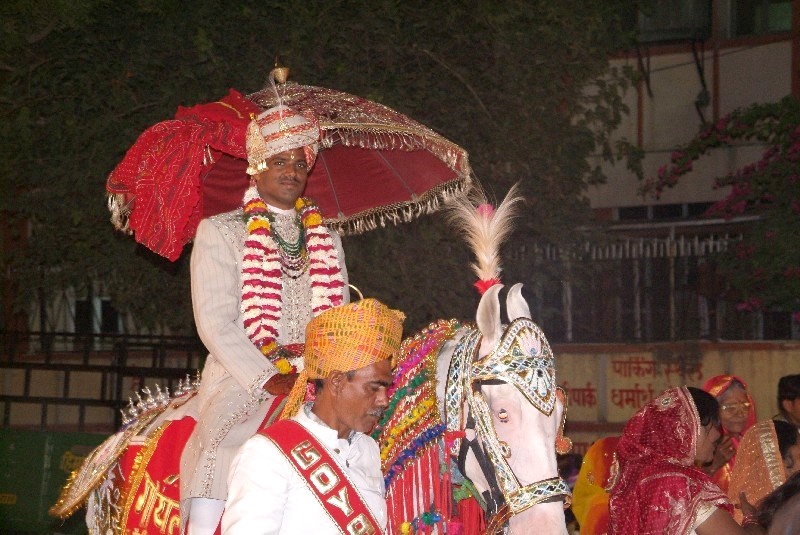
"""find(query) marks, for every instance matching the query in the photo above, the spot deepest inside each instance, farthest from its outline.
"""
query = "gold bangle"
(750, 520)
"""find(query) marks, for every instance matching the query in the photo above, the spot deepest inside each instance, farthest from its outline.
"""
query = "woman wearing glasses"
(737, 414)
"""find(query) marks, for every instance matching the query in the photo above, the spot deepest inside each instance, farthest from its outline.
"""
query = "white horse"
(497, 408)
(484, 396)
(529, 433)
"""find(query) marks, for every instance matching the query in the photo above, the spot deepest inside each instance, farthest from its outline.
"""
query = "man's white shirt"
(266, 495)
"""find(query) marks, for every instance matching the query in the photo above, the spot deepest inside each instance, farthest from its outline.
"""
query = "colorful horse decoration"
(468, 443)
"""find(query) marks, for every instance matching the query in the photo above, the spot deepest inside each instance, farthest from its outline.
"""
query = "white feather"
(484, 235)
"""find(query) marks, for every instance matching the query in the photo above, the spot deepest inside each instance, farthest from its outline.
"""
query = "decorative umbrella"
(375, 166)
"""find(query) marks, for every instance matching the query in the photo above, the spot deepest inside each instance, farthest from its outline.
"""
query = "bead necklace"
(294, 256)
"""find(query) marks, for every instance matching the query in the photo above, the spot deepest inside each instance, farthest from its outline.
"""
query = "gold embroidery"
(156, 508)
(139, 470)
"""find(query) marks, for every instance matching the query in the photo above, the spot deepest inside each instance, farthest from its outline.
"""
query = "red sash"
(323, 475)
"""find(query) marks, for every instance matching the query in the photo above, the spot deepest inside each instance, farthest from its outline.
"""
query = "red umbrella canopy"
(375, 166)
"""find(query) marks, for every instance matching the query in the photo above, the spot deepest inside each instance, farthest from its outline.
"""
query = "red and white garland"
(262, 273)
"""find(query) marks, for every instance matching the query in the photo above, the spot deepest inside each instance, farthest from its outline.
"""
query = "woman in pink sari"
(737, 414)
(657, 489)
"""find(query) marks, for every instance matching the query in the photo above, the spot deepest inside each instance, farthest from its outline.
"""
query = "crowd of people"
(696, 461)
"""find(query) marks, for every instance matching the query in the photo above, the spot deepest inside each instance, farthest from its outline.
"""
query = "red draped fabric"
(163, 170)
(658, 490)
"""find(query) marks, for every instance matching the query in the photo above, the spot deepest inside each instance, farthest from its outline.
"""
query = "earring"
(502, 414)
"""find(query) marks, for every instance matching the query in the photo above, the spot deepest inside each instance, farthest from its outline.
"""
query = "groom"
(259, 275)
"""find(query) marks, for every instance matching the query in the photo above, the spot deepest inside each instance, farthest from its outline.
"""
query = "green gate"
(34, 465)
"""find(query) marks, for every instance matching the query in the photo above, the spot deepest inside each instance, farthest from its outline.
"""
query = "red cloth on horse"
(151, 503)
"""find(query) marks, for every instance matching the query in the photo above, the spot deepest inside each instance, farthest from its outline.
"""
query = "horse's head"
(517, 413)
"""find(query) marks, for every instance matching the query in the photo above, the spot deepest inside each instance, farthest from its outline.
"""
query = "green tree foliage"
(764, 268)
(524, 86)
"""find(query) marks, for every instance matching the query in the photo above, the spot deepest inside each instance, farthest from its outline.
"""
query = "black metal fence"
(75, 382)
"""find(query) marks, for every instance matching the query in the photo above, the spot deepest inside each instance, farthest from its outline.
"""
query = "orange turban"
(346, 338)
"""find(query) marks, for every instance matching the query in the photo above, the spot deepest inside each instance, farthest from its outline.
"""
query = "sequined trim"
(211, 459)
(522, 358)
(517, 496)
(772, 457)
(97, 466)
(458, 382)
(138, 471)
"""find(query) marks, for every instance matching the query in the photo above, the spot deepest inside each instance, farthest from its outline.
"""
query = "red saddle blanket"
(150, 498)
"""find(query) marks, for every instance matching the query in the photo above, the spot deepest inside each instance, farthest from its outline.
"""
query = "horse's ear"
(516, 306)
(488, 318)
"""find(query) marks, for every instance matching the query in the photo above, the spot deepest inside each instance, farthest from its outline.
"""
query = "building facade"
(656, 278)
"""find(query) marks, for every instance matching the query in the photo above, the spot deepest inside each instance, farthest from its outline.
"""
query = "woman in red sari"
(657, 489)
(737, 414)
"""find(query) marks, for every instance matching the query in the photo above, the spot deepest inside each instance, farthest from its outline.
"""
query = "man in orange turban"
(318, 470)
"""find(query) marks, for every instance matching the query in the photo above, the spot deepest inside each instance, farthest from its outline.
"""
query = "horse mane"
(484, 228)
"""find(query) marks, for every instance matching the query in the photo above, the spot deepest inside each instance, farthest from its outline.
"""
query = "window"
(96, 316)
(633, 213)
(83, 317)
(698, 209)
(667, 211)
(756, 17)
(675, 20)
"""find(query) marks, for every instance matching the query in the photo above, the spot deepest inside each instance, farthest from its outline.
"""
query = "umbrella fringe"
(399, 212)
(120, 209)
(452, 155)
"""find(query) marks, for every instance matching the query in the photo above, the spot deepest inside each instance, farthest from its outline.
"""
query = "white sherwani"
(231, 402)
(267, 496)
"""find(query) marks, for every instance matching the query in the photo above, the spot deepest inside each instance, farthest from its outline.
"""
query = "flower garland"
(263, 269)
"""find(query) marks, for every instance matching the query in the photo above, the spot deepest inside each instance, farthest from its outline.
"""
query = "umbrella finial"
(280, 74)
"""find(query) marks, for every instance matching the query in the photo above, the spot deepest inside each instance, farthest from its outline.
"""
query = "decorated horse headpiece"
(519, 356)
(522, 358)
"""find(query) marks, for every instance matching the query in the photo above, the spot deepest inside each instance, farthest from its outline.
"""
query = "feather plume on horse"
(485, 229)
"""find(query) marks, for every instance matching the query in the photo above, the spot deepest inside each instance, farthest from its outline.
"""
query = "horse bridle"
(523, 359)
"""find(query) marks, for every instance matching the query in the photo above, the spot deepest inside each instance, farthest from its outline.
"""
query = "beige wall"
(747, 75)
(608, 383)
(754, 74)
(83, 385)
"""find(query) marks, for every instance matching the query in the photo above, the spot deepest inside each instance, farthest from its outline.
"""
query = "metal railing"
(75, 382)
